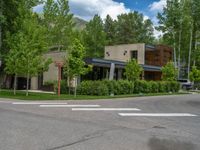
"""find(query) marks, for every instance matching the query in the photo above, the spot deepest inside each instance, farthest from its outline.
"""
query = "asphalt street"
(144, 123)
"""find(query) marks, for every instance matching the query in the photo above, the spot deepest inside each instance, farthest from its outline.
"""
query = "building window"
(134, 55)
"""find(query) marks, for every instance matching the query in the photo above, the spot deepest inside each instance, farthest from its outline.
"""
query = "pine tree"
(132, 28)
(110, 30)
(94, 37)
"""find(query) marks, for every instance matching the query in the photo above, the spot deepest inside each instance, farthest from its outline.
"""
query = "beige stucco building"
(125, 52)
(52, 73)
(151, 58)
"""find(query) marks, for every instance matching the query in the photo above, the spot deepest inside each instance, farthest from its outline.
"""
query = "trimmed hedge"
(121, 87)
(93, 88)
(63, 87)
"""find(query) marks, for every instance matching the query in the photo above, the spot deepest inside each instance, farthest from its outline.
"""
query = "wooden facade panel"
(158, 57)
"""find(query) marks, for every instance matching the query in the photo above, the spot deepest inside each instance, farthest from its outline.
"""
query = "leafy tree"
(133, 70)
(10, 10)
(12, 61)
(36, 46)
(169, 72)
(94, 37)
(110, 30)
(75, 65)
(133, 28)
(195, 74)
(59, 23)
(179, 23)
(27, 48)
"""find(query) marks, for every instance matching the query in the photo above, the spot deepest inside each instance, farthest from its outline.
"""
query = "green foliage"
(64, 89)
(27, 47)
(133, 70)
(49, 83)
(142, 86)
(110, 30)
(130, 28)
(10, 10)
(75, 65)
(169, 72)
(177, 20)
(93, 88)
(121, 87)
(94, 37)
(59, 23)
(195, 74)
(13, 63)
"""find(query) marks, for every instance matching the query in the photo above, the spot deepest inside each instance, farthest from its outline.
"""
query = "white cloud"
(38, 8)
(154, 8)
(87, 8)
(157, 33)
(158, 6)
(146, 17)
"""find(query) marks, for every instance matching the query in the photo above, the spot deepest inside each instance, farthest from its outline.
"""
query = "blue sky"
(86, 9)
(137, 4)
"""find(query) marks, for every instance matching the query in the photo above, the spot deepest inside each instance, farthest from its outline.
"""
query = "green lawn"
(44, 96)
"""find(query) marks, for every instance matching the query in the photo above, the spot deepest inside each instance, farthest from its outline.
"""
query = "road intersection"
(146, 123)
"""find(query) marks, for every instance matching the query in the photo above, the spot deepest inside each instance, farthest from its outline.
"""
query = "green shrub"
(93, 88)
(63, 87)
(161, 87)
(126, 87)
(49, 83)
(121, 87)
(154, 86)
(142, 86)
(174, 86)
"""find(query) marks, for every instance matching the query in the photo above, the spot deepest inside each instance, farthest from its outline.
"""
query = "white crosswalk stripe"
(157, 115)
(37, 103)
(105, 109)
(61, 106)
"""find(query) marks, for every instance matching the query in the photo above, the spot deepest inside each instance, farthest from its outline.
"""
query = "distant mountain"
(80, 23)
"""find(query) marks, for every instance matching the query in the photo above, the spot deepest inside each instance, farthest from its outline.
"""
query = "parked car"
(186, 84)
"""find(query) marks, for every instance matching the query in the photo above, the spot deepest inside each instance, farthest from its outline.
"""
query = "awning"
(118, 64)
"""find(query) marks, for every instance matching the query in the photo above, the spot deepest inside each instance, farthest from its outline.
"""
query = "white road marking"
(37, 103)
(57, 106)
(105, 109)
(158, 114)
(6, 102)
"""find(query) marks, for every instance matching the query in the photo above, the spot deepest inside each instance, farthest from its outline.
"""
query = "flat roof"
(118, 64)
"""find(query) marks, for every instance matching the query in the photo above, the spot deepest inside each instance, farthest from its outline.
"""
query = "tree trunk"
(27, 84)
(179, 50)
(189, 56)
(15, 84)
(68, 83)
(75, 88)
(175, 62)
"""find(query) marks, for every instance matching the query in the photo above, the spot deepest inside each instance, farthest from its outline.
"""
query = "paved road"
(92, 126)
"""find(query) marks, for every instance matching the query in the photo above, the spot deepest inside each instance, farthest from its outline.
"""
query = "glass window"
(134, 54)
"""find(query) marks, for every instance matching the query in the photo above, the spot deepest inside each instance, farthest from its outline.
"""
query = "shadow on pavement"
(168, 144)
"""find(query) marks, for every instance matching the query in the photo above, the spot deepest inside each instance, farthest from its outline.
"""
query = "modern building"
(151, 58)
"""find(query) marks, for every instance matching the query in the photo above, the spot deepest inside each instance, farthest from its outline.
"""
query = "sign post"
(59, 65)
